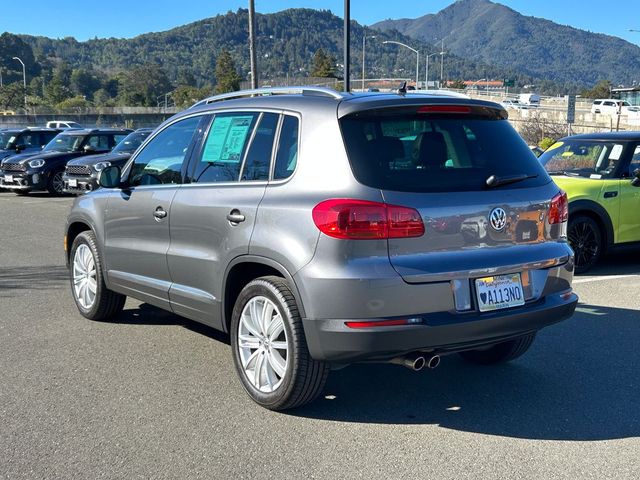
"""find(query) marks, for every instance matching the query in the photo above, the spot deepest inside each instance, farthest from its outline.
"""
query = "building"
(630, 94)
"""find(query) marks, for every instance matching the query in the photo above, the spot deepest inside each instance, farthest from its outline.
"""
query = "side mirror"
(88, 149)
(636, 180)
(110, 177)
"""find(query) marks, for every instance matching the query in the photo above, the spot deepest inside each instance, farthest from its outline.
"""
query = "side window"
(258, 161)
(224, 148)
(635, 161)
(98, 142)
(287, 156)
(47, 137)
(27, 139)
(118, 138)
(161, 160)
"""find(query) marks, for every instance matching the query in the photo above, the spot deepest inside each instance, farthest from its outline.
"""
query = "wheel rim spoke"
(85, 283)
(262, 344)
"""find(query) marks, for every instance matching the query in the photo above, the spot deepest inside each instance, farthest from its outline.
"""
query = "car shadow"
(624, 262)
(45, 277)
(579, 382)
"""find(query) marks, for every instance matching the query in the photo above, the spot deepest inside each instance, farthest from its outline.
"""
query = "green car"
(601, 174)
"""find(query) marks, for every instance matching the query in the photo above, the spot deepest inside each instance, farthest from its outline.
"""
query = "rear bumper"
(441, 332)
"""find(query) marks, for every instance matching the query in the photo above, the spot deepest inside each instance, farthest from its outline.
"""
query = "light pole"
(364, 39)
(24, 82)
(426, 73)
(417, 57)
(442, 63)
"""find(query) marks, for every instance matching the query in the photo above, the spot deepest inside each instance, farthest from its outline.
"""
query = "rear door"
(437, 161)
(212, 217)
(138, 216)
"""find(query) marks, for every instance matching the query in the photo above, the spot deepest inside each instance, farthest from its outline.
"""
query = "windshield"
(412, 152)
(7, 140)
(131, 142)
(584, 158)
(64, 143)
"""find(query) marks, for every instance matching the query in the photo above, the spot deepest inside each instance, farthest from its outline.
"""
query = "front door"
(138, 215)
(629, 229)
(213, 216)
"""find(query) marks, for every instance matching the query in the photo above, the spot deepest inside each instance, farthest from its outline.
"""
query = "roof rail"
(304, 90)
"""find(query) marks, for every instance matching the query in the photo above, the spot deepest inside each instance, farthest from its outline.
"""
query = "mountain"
(286, 43)
(491, 33)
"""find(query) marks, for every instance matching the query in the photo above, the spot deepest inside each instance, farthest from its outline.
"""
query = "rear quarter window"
(435, 153)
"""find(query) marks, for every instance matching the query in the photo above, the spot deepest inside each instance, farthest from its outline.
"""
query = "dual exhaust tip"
(417, 361)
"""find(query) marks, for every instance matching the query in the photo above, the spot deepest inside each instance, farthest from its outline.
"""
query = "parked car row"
(62, 161)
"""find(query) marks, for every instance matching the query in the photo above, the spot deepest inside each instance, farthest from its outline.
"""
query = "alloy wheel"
(84, 277)
(585, 243)
(262, 344)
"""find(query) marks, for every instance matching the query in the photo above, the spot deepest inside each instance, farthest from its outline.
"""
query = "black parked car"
(14, 141)
(24, 173)
(81, 174)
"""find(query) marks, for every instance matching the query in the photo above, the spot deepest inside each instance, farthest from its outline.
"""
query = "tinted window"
(28, 140)
(287, 156)
(46, 137)
(224, 148)
(258, 161)
(98, 142)
(162, 158)
(635, 161)
(430, 153)
(584, 158)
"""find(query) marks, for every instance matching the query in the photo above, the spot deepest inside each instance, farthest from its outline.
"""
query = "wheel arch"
(598, 214)
(243, 270)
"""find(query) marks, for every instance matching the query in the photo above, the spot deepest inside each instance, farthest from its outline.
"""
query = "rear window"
(413, 152)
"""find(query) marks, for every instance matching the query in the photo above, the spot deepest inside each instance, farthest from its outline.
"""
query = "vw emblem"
(498, 218)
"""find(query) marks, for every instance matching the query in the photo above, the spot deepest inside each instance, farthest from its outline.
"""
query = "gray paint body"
(180, 263)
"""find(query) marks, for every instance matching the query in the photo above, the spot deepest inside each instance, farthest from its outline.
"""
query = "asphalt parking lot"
(152, 395)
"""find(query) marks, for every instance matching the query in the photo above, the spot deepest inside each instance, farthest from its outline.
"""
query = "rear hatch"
(482, 195)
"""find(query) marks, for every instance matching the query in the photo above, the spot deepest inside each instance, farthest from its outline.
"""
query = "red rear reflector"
(364, 220)
(559, 208)
(380, 323)
(444, 109)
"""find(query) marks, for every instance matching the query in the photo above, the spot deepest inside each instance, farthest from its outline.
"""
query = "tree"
(227, 76)
(602, 89)
(323, 65)
(84, 82)
(456, 84)
(57, 90)
(12, 96)
(143, 85)
(185, 96)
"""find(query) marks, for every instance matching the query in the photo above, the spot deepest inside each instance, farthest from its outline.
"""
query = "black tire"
(304, 377)
(107, 304)
(500, 352)
(55, 185)
(585, 237)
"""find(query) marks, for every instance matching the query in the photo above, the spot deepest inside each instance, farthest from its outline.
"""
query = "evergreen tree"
(227, 76)
(323, 64)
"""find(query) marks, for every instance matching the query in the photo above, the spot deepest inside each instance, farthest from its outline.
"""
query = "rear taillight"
(559, 208)
(364, 220)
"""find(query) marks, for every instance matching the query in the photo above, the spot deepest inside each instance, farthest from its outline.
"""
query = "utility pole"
(442, 63)
(24, 82)
(252, 44)
(347, 44)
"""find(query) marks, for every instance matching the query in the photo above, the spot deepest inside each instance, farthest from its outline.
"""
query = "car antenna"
(403, 89)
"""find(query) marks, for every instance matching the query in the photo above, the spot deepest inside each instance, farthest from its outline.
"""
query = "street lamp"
(24, 81)
(426, 73)
(417, 57)
(364, 38)
(442, 52)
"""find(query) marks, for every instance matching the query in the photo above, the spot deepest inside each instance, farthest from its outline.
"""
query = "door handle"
(610, 194)
(235, 217)
(160, 213)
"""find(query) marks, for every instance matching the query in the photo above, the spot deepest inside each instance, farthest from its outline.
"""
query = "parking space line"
(604, 277)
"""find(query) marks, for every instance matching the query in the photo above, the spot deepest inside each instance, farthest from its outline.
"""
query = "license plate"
(8, 178)
(73, 183)
(498, 292)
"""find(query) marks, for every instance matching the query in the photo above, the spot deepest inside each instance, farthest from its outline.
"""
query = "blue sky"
(120, 18)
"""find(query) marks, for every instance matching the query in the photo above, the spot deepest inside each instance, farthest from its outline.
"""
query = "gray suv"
(320, 229)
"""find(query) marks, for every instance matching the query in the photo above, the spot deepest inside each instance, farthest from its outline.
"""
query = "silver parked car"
(320, 229)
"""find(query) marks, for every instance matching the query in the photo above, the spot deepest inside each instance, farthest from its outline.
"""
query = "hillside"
(286, 43)
(487, 32)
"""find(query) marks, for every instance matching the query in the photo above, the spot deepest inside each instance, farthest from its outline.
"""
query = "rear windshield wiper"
(564, 172)
(496, 181)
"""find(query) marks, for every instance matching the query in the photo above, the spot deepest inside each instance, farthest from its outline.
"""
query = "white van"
(530, 99)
